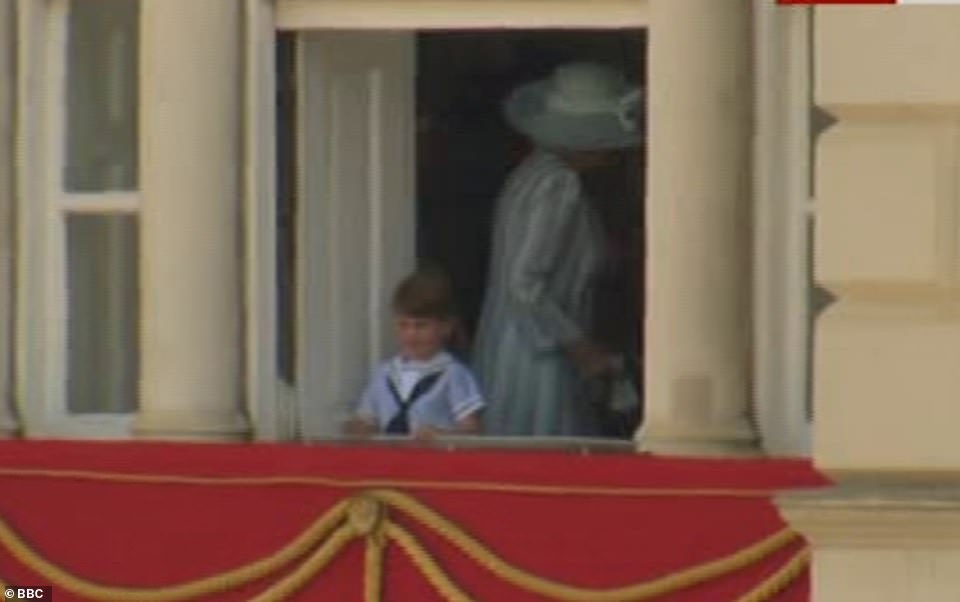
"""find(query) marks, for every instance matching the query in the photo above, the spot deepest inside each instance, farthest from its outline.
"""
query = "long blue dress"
(547, 249)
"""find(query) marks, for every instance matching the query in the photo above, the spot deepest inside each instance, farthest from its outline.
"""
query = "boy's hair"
(427, 293)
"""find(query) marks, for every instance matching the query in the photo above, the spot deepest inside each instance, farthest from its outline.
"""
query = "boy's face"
(420, 338)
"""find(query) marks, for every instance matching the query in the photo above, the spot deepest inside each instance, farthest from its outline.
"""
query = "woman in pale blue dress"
(533, 348)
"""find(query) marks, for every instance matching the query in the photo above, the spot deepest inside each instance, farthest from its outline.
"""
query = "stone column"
(698, 229)
(191, 261)
(8, 420)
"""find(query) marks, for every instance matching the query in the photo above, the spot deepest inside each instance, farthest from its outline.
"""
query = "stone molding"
(888, 515)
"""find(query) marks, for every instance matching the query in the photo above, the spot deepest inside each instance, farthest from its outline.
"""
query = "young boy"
(422, 391)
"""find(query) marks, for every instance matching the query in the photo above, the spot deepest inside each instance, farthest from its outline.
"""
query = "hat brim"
(527, 112)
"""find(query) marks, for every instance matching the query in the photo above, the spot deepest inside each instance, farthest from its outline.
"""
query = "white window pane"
(101, 96)
(103, 302)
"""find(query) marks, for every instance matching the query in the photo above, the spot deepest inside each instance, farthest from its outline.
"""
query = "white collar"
(437, 363)
(421, 368)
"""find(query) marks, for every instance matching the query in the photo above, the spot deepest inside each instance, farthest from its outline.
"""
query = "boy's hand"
(426, 433)
(468, 425)
(360, 427)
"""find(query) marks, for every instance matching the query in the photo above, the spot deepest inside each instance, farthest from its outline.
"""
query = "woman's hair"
(427, 293)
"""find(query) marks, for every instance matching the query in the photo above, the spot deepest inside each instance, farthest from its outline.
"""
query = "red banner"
(331, 523)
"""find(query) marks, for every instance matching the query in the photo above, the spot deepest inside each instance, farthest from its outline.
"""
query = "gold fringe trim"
(366, 517)
(427, 565)
(220, 582)
(558, 591)
(313, 481)
(373, 570)
(780, 580)
(315, 564)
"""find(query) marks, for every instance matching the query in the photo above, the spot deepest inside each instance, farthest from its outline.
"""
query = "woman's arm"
(545, 236)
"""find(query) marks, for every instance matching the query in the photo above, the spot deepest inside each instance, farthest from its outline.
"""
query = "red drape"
(601, 521)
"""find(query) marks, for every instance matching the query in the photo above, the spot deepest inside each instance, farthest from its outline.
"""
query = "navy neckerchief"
(400, 423)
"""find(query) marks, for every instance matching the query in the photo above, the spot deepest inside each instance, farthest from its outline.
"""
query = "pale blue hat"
(581, 106)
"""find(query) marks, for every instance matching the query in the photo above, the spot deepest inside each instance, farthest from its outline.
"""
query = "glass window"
(99, 205)
(103, 302)
(101, 96)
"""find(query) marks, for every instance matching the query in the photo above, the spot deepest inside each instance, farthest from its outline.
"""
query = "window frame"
(781, 159)
(43, 205)
(271, 401)
(783, 204)
(461, 14)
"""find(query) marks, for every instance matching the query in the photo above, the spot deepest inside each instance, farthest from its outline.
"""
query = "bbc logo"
(13, 592)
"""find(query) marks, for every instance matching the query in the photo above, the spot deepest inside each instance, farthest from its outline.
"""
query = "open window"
(780, 377)
(391, 153)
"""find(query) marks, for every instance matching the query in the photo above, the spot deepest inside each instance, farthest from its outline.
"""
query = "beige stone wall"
(888, 210)
(924, 575)
(887, 353)
(881, 541)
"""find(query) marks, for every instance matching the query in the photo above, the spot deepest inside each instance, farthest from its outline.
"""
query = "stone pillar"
(8, 421)
(698, 229)
(191, 260)
(886, 377)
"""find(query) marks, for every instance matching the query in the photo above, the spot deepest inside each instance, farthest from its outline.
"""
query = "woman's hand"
(592, 360)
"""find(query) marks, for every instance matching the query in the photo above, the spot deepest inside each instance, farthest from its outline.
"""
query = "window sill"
(575, 445)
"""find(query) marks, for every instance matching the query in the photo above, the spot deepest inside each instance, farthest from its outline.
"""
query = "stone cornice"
(876, 516)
